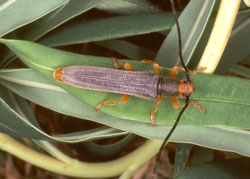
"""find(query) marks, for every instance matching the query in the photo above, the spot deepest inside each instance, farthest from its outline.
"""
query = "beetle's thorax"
(170, 87)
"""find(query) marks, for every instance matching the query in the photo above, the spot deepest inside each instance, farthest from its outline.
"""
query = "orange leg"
(156, 66)
(192, 102)
(159, 99)
(175, 70)
(201, 108)
(123, 100)
(127, 66)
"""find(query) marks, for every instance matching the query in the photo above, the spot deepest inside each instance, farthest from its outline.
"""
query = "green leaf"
(23, 124)
(35, 30)
(227, 104)
(45, 24)
(227, 169)
(181, 157)
(193, 21)
(238, 45)
(128, 49)
(240, 70)
(18, 104)
(128, 7)
(215, 93)
(110, 28)
(19, 13)
(106, 151)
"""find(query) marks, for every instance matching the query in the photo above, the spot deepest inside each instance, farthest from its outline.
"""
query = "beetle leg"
(192, 102)
(201, 108)
(175, 70)
(156, 66)
(176, 103)
(159, 99)
(127, 66)
(123, 100)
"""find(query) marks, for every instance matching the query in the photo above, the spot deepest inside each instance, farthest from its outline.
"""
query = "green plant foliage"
(228, 169)
(238, 45)
(219, 95)
(192, 29)
(110, 28)
(224, 126)
(24, 123)
(39, 9)
(128, 7)
(44, 24)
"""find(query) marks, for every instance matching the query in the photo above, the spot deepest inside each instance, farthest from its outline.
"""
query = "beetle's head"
(185, 88)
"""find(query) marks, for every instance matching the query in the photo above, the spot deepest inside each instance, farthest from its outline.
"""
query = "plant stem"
(220, 34)
(128, 163)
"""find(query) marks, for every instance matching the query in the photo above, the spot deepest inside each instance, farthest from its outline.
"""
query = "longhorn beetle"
(140, 84)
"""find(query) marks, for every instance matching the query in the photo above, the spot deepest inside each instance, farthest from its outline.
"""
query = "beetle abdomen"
(142, 84)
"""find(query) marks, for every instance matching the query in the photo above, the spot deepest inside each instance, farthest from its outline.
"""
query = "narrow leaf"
(192, 21)
(23, 13)
(110, 28)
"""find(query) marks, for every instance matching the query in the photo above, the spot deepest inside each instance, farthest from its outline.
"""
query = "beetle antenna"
(179, 40)
(186, 96)
(168, 136)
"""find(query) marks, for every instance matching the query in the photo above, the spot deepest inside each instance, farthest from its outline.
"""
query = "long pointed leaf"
(225, 98)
